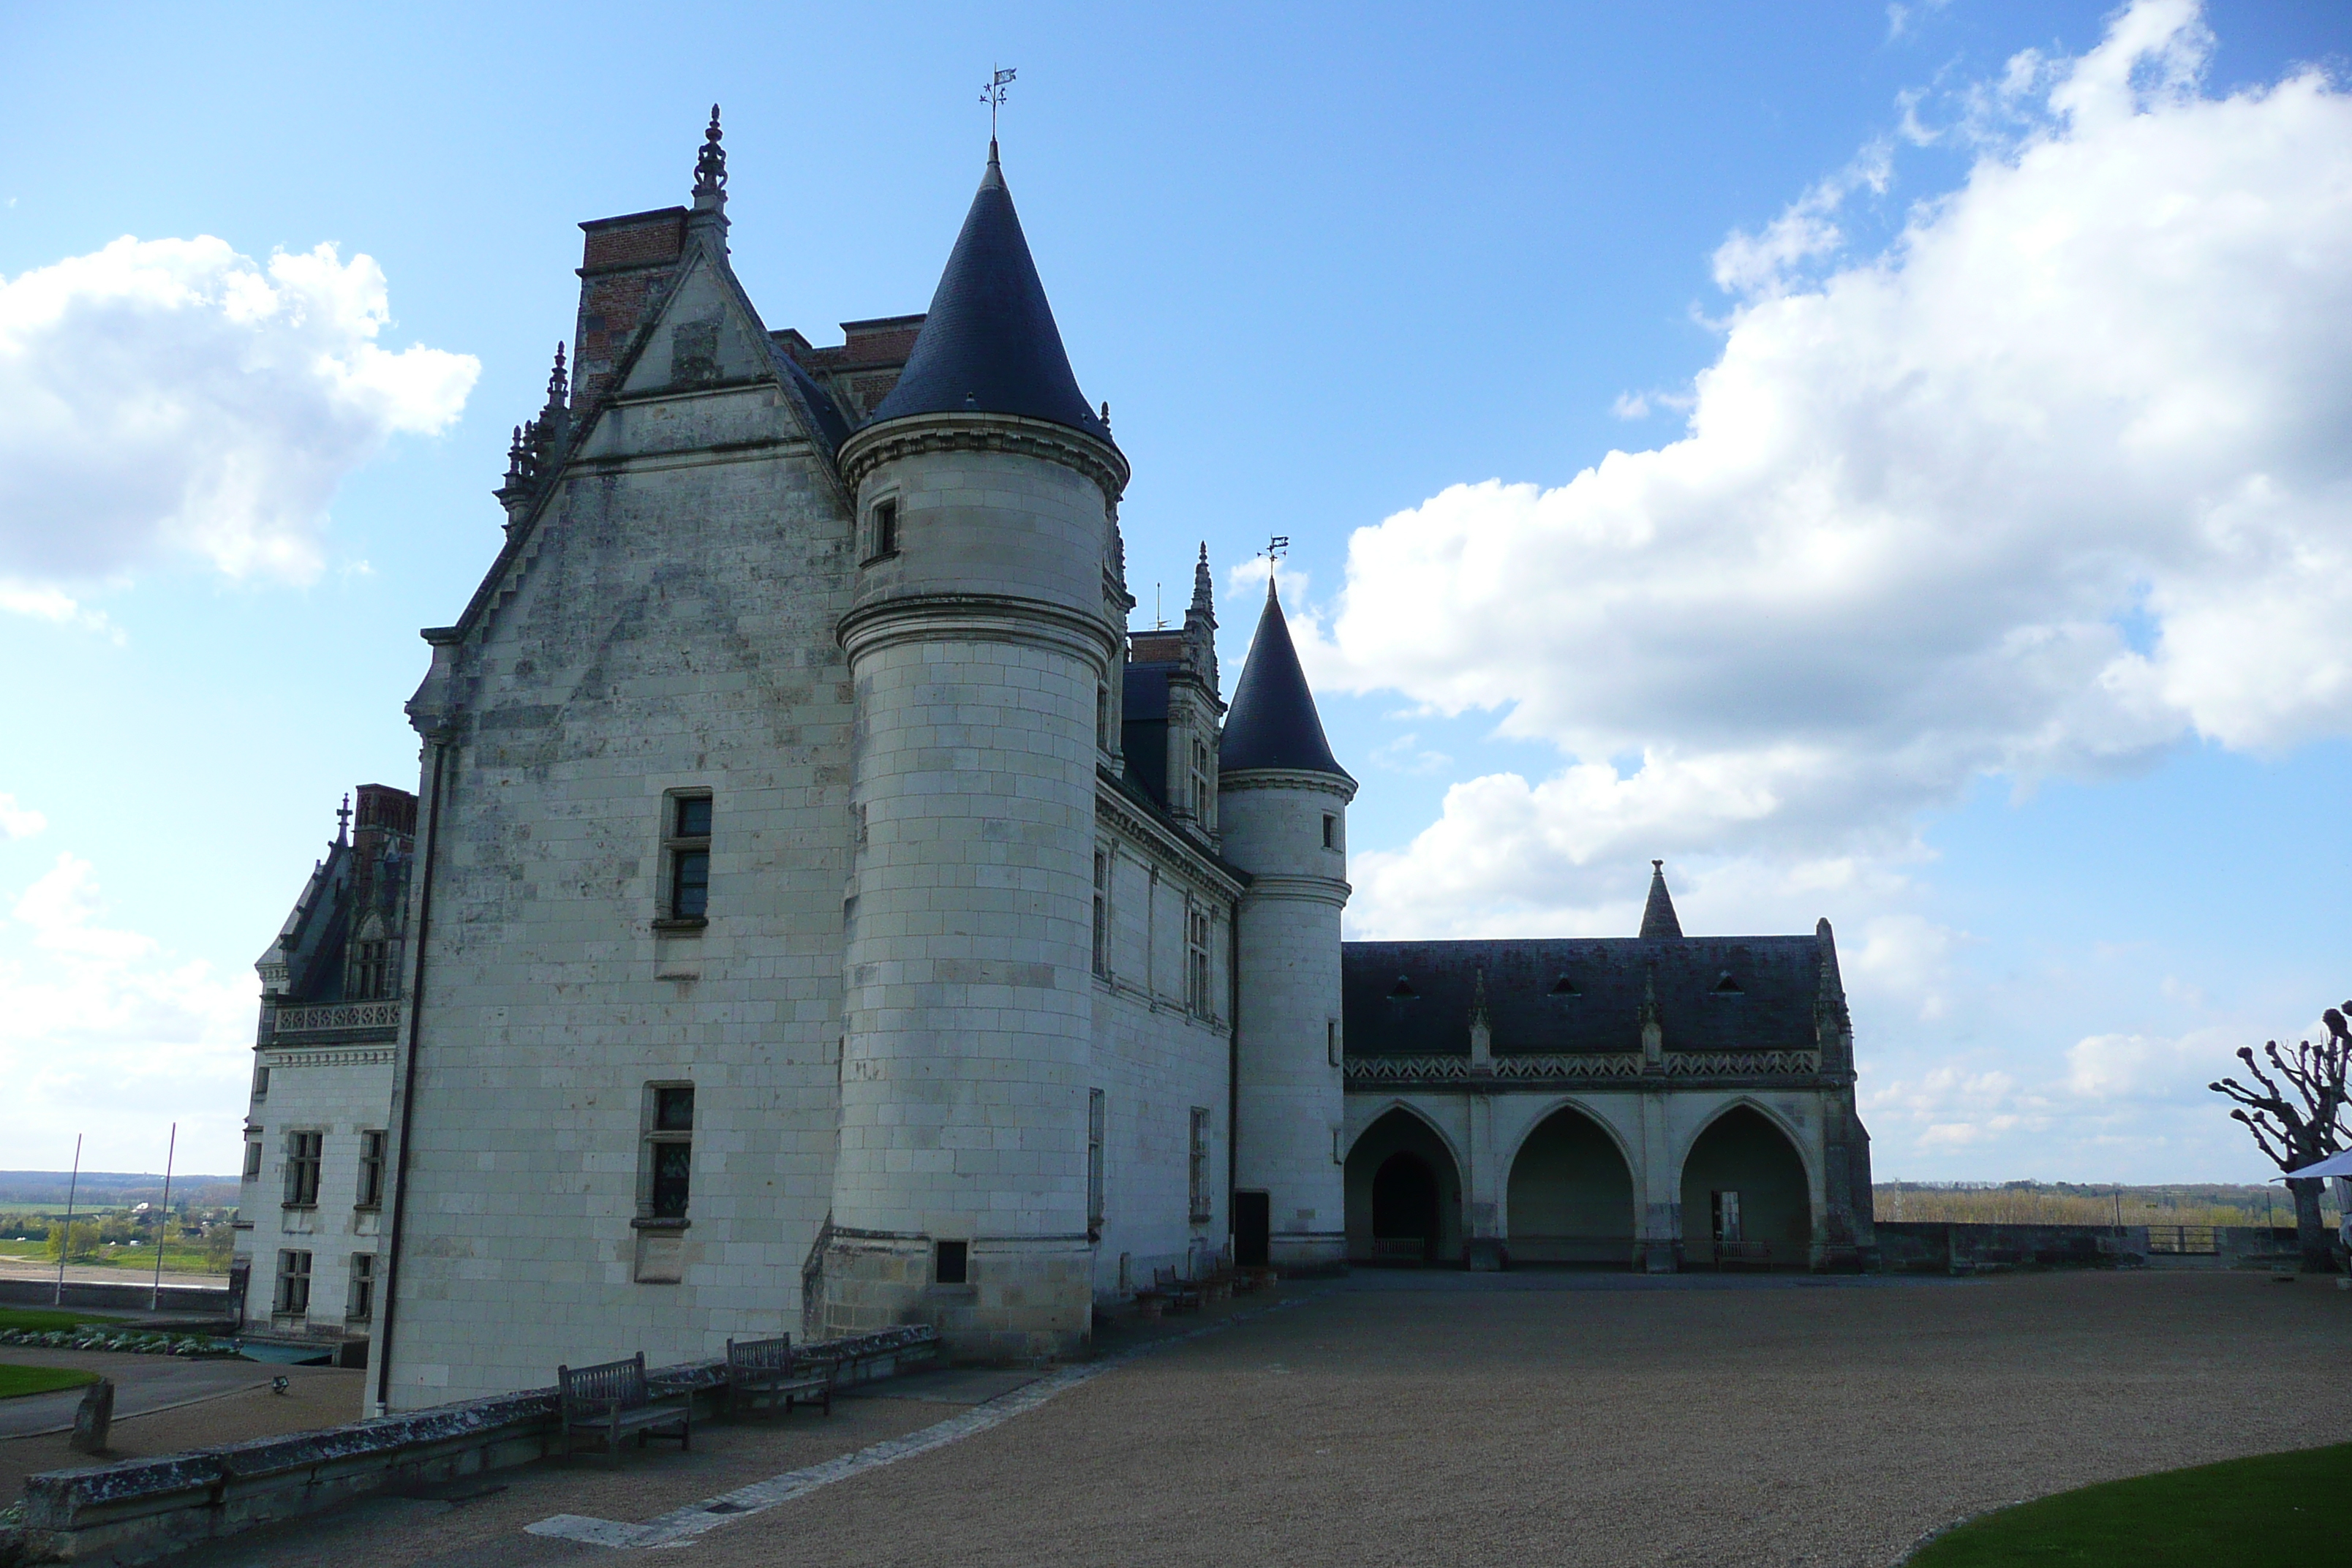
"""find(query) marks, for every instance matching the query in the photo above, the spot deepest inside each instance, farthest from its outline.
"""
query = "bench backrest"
(760, 1355)
(609, 1384)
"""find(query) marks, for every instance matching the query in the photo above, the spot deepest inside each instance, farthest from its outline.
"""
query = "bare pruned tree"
(2295, 1133)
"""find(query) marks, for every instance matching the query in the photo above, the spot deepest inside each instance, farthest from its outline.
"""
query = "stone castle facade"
(823, 912)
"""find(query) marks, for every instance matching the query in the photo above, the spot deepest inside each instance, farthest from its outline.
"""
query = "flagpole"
(65, 1242)
(163, 1229)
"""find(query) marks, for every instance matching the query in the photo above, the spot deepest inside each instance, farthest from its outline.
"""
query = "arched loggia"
(1571, 1198)
(1405, 1194)
(1744, 1197)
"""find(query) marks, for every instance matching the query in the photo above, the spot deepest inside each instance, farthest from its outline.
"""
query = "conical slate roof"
(1273, 722)
(988, 344)
(1658, 915)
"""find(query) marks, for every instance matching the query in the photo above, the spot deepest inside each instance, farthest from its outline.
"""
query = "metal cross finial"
(993, 96)
(343, 819)
(710, 163)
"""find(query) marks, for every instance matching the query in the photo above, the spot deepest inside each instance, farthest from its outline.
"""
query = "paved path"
(1437, 1419)
(141, 1383)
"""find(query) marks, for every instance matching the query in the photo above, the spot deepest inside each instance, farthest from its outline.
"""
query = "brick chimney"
(626, 268)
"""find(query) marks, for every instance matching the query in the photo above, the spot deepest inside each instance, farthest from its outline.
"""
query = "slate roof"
(988, 343)
(1272, 723)
(1778, 980)
(1658, 917)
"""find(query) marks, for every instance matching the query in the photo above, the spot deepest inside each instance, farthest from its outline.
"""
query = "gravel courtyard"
(1534, 1418)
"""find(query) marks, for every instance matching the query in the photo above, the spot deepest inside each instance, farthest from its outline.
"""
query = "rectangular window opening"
(261, 1083)
(686, 846)
(1330, 831)
(293, 1283)
(371, 1170)
(1094, 1107)
(1200, 1164)
(253, 1159)
(1102, 913)
(361, 1307)
(668, 1149)
(882, 530)
(303, 1151)
(952, 1263)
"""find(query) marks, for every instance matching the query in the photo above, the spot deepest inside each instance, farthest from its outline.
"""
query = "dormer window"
(1402, 990)
(1564, 986)
(1204, 794)
(1727, 986)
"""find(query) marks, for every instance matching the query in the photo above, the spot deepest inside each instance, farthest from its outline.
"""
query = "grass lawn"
(17, 1379)
(43, 1321)
(2270, 1510)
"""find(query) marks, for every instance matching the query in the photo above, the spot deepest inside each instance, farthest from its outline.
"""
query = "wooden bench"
(1181, 1295)
(613, 1400)
(763, 1369)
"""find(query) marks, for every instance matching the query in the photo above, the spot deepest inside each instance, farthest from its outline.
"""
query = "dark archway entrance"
(1404, 1196)
(1571, 1196)
(1404, 1208)
(1745, 1198)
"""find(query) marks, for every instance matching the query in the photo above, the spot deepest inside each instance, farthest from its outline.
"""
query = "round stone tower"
(976, 643)
(1283, 806)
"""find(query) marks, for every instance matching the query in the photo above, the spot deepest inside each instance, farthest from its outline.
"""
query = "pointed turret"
(1658, 915)
(1273, 722)
(988, 344)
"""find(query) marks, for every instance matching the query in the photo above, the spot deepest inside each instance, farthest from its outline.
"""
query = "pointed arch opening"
(1404, 1194)
(1571, 1197)
(1746, 1202)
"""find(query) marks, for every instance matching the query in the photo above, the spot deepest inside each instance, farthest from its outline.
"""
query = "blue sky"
(1961, 576)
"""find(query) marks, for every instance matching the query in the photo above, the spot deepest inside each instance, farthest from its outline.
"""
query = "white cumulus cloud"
(18, 821)
(173, 398)
(2056, 482)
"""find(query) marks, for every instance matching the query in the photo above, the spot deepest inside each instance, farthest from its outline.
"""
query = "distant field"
(2068, 1203)
(176, 1260)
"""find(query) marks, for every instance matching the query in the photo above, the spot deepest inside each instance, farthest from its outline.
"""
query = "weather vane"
(1276, 547)
(993, 96)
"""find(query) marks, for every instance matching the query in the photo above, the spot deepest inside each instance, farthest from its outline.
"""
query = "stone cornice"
(1287, 778)
(984, 617)
(1618, 1066)
(878, 444)
(1111, 808)
(1332, 890)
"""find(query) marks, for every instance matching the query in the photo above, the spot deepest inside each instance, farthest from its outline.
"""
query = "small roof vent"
(1402, 990)
(1727, 986)
(1564, 986)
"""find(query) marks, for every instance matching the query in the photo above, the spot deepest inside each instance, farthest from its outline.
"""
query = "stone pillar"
(1660, 1241)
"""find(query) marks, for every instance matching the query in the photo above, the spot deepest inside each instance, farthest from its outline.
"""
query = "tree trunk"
(2310, 1231)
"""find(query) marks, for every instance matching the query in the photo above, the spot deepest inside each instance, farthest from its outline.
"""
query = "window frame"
(1097, 1127)
(1102, 914)
(293, 1282)
(252, 1156)
(306, 1159)
(1204, 785)
(1203, 1203)
(373, 1141)
(1199, 975)
(655, 1143)
(882, 535)
(359, 1291)
(1331, 839)
(677, 847)
(944, 1272)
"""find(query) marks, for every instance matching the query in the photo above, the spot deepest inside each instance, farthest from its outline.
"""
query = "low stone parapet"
(143, 1508)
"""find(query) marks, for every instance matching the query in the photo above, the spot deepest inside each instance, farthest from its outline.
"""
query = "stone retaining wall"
(139, 1509)
(130, 1295)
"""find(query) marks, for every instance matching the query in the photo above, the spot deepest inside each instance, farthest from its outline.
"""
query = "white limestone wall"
(672, 628)
(1156, 1060)
(341, 1091)
(1288, 1102)
(1655, 1129)
(976, 653)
